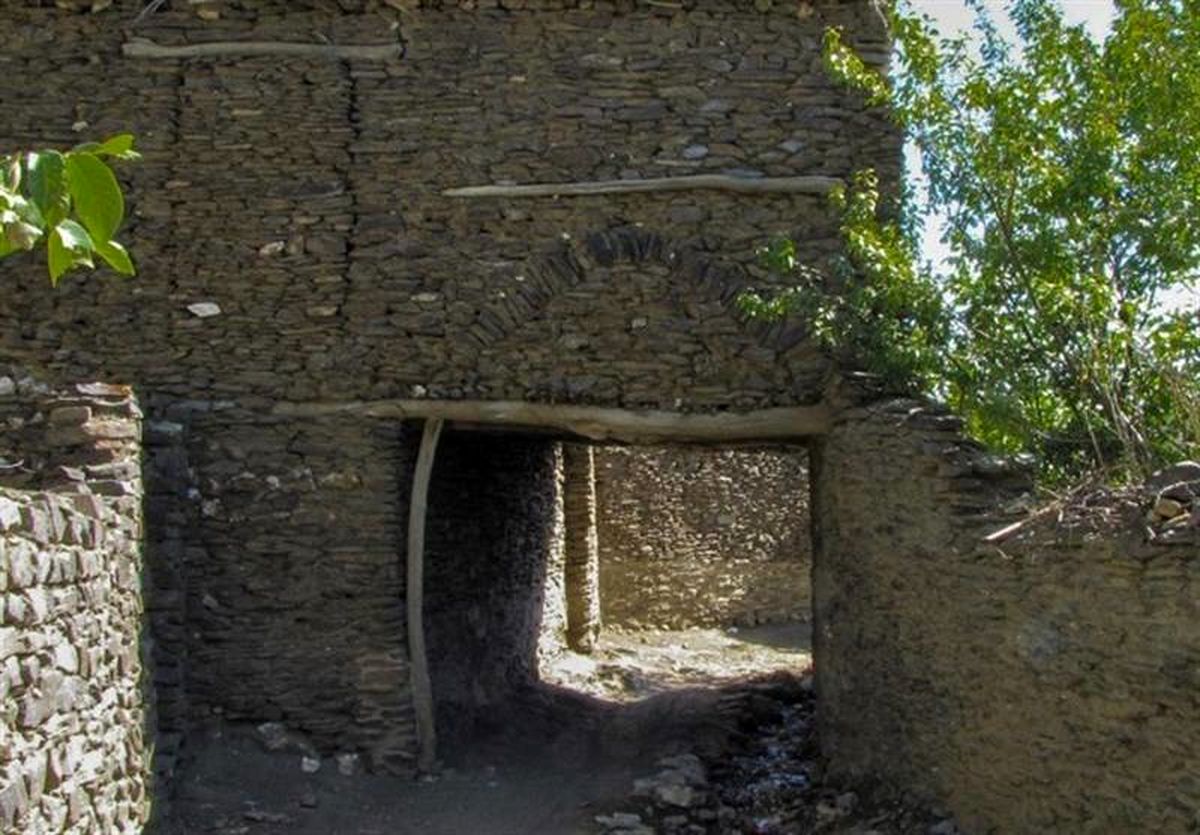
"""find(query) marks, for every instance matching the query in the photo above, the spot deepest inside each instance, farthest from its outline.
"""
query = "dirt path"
(234, 788)
(581, 741)
(628, 666)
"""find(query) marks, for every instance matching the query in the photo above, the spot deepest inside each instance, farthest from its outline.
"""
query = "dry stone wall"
(77, 721)
(1044, 685)
(295, 599)
(307, 193)
(294, 244)
(693, 537)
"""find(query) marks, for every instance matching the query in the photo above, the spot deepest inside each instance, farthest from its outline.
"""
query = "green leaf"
(28, 211)
(98, 199)
(46, 184)
(116, 257)
(119, 146)
(74, 237)
(22, 236)
(69, 246)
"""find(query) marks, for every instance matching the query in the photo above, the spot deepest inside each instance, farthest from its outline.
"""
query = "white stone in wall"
(204, 310)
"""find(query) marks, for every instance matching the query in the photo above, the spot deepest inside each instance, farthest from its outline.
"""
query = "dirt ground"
(627, 666)
(636, 680)
(579, 754)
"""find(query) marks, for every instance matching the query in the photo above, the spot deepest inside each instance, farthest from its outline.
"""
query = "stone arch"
(568, 261)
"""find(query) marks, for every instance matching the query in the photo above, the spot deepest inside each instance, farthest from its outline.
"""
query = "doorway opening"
(599, 604)
(704, 557)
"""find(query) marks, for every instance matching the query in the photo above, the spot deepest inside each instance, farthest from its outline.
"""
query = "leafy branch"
(69, 202)
(1067, 174)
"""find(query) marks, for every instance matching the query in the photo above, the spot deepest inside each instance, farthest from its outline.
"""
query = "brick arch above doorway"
(564, 265)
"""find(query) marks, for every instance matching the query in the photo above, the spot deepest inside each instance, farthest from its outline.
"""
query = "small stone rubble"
(1174, 516)
(771, 785)
(1165, 509)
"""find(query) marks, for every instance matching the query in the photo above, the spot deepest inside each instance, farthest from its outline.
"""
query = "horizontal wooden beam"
(145, 48)
(595, 423)
(718, 182)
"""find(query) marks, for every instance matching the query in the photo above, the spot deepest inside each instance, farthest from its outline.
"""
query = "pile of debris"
(773, 784)
(1174, 514)
(1164, 510)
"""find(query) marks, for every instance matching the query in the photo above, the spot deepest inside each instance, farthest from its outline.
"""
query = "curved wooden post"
(422, 689)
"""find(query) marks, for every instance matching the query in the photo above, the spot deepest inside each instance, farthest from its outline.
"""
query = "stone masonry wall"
(307, 193)
(1045, 685)
(693, 537)
(77, 717)
(295, 597)
(294, 244)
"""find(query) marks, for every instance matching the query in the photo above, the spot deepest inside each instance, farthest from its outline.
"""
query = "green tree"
(1068, 175)
(70, 202)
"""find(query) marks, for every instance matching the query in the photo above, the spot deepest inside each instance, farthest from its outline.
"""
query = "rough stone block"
(89, 505)
(10, 514)
(14, 800)
(37, 524)
(20, 560)
(70, 415)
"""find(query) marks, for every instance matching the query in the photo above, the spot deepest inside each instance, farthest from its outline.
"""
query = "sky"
(952, 15)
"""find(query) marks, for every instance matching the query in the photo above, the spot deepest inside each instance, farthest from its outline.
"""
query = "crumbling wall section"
(77, 723)
(695, 537)
(1041, 684)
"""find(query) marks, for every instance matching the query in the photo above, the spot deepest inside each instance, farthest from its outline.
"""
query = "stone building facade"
(314, 283)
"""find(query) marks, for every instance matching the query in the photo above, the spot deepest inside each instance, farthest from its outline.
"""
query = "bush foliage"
(1067, 172)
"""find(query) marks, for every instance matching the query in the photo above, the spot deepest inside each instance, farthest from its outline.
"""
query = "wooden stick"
(719, 182)
(422, 689)
(145, 48)
(596, 423)
(1008, 530)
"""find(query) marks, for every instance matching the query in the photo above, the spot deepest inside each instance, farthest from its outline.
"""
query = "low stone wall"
(74, 752)
(702, 538)
(1044, 683)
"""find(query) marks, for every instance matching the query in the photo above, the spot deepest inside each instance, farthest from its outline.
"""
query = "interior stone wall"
(76, 727)
(494, 529)
(699, 537)
(1045, 685)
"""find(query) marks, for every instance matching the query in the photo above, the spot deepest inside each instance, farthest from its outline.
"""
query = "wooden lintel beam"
(596, 423)
(145, 48)
(720, 182)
